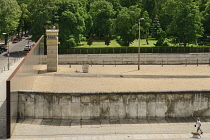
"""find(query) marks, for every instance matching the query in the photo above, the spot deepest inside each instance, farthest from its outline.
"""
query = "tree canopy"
(185, 20)
(10, 13)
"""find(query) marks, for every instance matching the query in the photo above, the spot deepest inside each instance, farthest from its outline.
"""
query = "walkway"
(152, 129)
(3, 77)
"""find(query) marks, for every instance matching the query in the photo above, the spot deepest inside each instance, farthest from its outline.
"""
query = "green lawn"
(143, 43)
(101, 44)
(98, 44)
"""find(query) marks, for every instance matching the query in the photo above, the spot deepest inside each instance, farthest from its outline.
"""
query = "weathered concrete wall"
(145, 58)
(115, 105)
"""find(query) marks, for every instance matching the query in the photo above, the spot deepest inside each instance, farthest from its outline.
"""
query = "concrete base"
(52, 58)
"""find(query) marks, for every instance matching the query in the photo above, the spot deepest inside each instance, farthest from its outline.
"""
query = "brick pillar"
(52, 50)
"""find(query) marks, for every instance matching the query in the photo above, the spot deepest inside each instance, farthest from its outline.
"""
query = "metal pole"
(8, 47)
(139, 48)
(139, 44)
(8, 52)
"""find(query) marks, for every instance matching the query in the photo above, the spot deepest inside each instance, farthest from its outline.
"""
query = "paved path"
(152, 129)
(3, 77)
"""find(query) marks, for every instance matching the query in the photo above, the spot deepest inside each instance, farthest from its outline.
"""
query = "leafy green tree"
(126, 24)
(23, 1)
(90, 41)
(206, 18)
(9, 16)
(161, 36)
(186, 23)
(41, 13)
(102, 13)
(202, 4)
(155, 27)
(145, 25)
(128, 3)
(24, 22)
(150, 7)
(107, 40)
(71, 22)
(116, 6)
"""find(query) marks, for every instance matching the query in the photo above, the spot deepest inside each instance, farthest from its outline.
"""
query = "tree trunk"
(184, 41)
(147, 38)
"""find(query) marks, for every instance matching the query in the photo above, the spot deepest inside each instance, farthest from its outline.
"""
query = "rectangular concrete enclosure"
(24, 102)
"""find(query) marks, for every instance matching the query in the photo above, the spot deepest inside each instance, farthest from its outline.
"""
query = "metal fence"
(134, 50)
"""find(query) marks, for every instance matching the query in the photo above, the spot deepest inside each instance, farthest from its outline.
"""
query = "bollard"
(115, 63)
(103, 63)
(209, 61)
(69, 65)
(91, 63)
(197, 62)
(186, 62)
(162, 62)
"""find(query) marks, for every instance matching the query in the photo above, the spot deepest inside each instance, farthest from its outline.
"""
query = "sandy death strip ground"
(124, 78)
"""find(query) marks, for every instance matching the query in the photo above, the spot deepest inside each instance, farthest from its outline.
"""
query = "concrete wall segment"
(125, 105)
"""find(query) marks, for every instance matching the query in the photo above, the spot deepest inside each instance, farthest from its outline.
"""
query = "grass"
(114, 44)
(99, 44)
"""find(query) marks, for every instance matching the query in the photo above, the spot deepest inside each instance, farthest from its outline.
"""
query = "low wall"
(132, 58)
(113, 105)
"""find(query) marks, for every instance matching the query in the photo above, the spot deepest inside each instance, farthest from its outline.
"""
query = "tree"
(116, 6)
(107, 40)
(161, 36)
(155, 27)
(41, 13)
(9, 16)
(24, 22)
(206, 18)
(71, 22)
(186, 23)
(145, 25)
(90, 41)
(126, 24)
(128, 3)
(150, 7)
(102, 13)
(166, 14)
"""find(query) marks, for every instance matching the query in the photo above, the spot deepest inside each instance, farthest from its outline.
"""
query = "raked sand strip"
(124, 78)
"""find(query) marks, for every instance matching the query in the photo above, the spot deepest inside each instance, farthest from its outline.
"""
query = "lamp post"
(7, 49)
(139, 44)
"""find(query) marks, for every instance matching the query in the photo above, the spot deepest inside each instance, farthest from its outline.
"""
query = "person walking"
(198, 124)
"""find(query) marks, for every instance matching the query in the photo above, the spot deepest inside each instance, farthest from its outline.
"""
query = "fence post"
(209, 61)
(197, 62)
